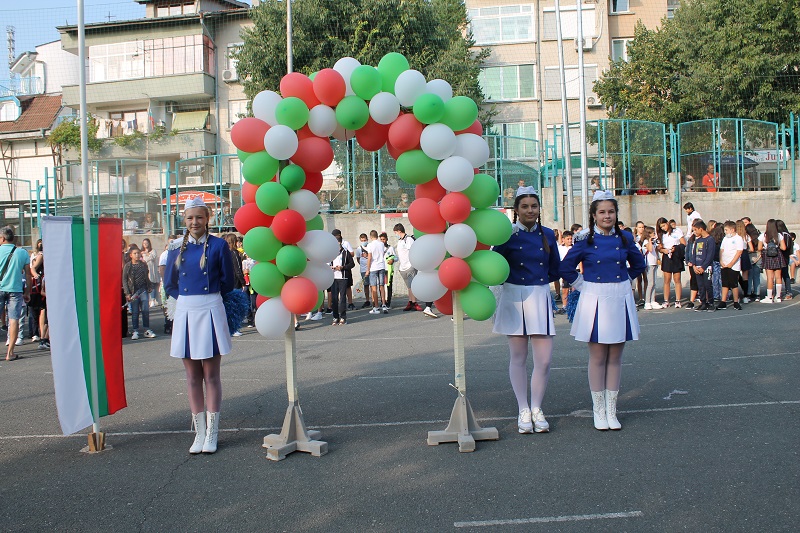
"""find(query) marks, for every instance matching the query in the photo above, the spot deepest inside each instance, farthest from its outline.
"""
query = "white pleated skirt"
(200, 327)
(606, 314)
(524, 310)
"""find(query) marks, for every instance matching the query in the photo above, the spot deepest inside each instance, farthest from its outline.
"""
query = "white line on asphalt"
(759, 355)
(408, 422)
(548, 519)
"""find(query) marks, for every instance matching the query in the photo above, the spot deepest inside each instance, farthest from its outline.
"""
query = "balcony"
(22, 86)
(168, 146)
(189, 87)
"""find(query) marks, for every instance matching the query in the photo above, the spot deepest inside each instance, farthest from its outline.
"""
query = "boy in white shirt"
(730, 252)
(376, 272)
(563, 248)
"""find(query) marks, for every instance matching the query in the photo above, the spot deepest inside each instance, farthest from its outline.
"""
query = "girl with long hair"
(754, 246)
(150, 258)
(787, 253)
(525, 309)
(648, 246)
(605, 316)
(671, 245)
(772, 260)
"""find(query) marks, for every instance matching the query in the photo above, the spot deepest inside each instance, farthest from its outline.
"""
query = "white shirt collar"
(201, 240)
(523, 228)
(598, 231)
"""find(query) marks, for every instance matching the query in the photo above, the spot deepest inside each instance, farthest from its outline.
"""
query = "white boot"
(199, 423)
(611, 409)
(212, 427)
(599, 410)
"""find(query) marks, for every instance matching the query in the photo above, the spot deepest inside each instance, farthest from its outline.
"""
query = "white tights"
(518, 372)
(605, 366)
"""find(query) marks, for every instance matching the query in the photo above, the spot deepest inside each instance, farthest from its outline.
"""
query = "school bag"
(771, 250)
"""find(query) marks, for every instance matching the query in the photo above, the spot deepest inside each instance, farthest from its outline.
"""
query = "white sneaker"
(648, 307)
(429, 312)
(19, 341)
(539, 422)
(524, 424)
(135, 336)
(35, 338)
(317, 316)
(309, 315)
(149, 334)
(677, 305)
(766, 300)
(656, 305)
(745, 300)
(375, 311)
(778, 299)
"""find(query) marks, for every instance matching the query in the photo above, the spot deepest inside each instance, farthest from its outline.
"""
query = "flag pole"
(582, 108)
(96, 437)
(565, 141)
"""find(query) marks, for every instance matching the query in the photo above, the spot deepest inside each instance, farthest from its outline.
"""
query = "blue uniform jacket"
(188, 279)
(529, 263)
(604, 261)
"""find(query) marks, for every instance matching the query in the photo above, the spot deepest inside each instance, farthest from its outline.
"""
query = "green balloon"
(488, 267)
(315, 223)
(366, 82)
(491, 227)
(416, 168)
(291, 260)
(266, 279)
(259, 168)
(292, 112)
(293, 177)
(313, 75)
(460, 112)
(261, 244)
(483, 191)
(418, 233)
(478, 301)
(320, 299)
(272, 197)
(352, 113)
(428, 108)
(390, 67)
(243, 155)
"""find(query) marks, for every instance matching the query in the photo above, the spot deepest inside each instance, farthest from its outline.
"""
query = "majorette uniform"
(525, 306)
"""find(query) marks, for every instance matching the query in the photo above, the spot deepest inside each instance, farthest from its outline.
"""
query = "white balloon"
(440, 88)
(320, 275)
(345, 66)
(473, 148)
(341, 134)
(427, 252)
(280, 142)
(322, 121)
(304, 202)
(409, 86)
(455, 173)
(460, 240)
(438, 141)
(384, 108)
(273, 319)
(264, 105)
(319, 245)
(427, 287)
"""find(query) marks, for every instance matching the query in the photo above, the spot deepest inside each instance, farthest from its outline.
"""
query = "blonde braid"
(183, 247)
(205, 249)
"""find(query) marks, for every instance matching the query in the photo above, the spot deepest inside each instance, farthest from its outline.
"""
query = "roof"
(38, 112)
(231, 2)
(156, 21)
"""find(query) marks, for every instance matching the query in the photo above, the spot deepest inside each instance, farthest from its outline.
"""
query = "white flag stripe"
(72, 398)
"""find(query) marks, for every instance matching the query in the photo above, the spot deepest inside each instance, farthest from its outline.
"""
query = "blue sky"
(35, 21)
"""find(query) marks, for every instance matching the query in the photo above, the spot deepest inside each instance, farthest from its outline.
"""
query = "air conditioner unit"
(229, 75)
(588, 44)
(593, 101)
(169, 107)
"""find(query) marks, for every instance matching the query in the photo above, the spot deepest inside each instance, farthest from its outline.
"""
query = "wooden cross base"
(294, 437)
(97, 443)
(463, 428)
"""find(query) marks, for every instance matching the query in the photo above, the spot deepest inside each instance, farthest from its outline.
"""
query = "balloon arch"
(435, 138)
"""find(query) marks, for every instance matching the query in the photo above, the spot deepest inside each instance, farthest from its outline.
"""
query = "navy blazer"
(606, 260)
(529, 264)
(189, 279)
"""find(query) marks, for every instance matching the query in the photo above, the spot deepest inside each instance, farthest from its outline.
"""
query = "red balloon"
(445, 303)
(299, 295)
(250, 216)
(249, 192)
(405, 131)
(455, 207)
(313, 182)
(304, 133)
(261, 299)
(394, 152)
(248, 134)
(423, 213)
(329, 87)
(475, 128)
(433, 190)
(314, 154)
(481, 246)
(300, 86)
(372, 136)
(454, 273)
(289, 226)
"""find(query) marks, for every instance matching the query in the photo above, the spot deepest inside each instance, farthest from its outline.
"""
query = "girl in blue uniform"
(525, 310)
(605, 316)
(199, 271)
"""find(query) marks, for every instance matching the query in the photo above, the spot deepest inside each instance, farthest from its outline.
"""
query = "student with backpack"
(772, 260)
(787, 254)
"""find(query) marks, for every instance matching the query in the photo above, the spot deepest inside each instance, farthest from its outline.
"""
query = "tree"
(67, 135)
(715, 58)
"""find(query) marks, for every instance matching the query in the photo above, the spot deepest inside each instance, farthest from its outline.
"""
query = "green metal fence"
(219, 176)
(19, 211)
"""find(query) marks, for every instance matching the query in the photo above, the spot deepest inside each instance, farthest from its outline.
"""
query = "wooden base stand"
(97, 443)
(294, 437)
(463, 428)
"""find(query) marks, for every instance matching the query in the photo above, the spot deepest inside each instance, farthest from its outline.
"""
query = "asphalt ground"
(709, 406)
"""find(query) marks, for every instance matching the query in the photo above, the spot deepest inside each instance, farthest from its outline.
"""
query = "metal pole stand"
(294, 436)
(97, 441)
(463, 426)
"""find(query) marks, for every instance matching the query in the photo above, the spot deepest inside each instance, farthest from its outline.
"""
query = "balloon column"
(435, 138)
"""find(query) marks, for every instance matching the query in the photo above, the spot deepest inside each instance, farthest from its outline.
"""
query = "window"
(569, 23)
(176, 9)
(231, 62)
(619, 49)
(9, 110)
(150, 58)
(502, 24)
(672, 5)
(520, 139)
(552, 81)
(126, 122)
(237, 109)
(511, 82)
(619, 6)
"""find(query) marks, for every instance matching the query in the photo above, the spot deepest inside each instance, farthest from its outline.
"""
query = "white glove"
(578, 283)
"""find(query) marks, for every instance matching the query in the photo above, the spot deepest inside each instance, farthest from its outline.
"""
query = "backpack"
(771, 250)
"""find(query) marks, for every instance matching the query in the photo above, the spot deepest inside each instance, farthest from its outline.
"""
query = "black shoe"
(701, 307)
(351, 307)
(690, 305)
(737, 306)
(366, 304)
(722, 306)
(710, 308)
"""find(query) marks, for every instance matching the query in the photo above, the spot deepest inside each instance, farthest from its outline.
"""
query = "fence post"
(791, 158)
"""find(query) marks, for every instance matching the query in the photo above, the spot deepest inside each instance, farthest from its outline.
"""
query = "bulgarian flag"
(65, 287)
